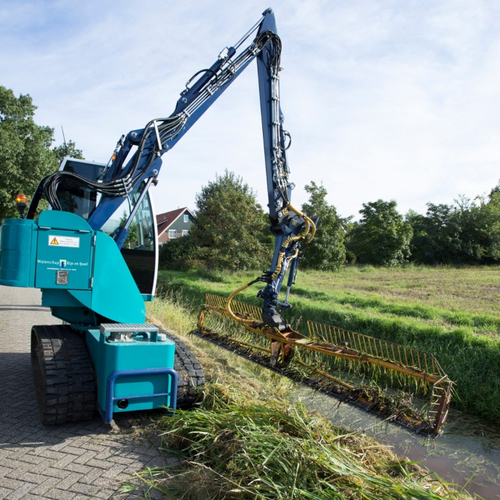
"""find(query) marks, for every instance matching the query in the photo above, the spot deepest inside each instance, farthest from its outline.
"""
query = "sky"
(388, 99)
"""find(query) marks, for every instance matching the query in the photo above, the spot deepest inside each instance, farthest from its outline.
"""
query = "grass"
(248, 441)
(279, 450)
(451, 313)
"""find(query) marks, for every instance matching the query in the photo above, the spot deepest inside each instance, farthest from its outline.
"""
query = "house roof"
(165, 220)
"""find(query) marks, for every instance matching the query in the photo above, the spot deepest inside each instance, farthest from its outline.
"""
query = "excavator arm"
(137, 160)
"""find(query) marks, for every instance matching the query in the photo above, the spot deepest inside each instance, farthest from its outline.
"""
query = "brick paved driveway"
(73, 462)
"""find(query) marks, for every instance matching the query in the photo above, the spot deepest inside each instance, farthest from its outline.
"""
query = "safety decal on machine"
(64, 241)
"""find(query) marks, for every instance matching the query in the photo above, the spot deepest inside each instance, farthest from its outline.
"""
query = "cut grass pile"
(247, 441)
(451, 313)
(240, 448)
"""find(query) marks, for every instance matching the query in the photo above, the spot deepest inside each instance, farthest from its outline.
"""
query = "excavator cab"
(140, 248)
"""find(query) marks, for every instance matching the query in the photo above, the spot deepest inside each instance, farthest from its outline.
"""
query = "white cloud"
(393, 100)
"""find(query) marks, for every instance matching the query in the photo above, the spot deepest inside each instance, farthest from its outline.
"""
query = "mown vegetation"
(248, 441)
(450, 313)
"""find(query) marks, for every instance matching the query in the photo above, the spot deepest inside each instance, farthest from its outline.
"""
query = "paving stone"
(105, 493)
(20, 492)
(117, 459)
(100, 464)
(89, 489)
(64, 461)
(57, 494)
(68, 462)
(73, 450)
(80, 468)
(54, 472)
(52, 455)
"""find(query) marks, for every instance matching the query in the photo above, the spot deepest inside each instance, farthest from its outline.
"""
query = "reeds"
(280, 450)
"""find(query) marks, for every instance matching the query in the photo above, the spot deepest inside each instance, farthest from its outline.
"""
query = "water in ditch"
(467, 454)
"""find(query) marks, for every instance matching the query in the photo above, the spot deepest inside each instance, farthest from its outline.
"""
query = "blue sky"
(383, 99)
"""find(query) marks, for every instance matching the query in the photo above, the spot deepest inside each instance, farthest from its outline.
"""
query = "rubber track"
(64, 379)
(190, 373)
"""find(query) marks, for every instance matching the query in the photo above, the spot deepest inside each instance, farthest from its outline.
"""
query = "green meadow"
(451, 313)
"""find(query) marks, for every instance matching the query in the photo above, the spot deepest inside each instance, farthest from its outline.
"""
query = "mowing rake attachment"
(328, 351)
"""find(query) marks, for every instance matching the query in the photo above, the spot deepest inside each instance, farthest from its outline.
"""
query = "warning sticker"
(64, 241)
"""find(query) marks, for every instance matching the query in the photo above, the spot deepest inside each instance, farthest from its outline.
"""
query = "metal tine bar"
(364, 343)
(319, 332)
(386, 354)
(336, 336)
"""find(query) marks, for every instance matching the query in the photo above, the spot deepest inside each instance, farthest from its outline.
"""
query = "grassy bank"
(451, 313)
(247, 441)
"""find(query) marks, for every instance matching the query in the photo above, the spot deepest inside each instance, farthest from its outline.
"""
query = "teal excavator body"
(87, 284)
(63, 256)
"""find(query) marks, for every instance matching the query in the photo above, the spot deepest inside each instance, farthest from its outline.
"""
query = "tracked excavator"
(94, 255)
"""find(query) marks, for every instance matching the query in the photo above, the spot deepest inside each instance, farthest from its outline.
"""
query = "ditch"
(466, 454)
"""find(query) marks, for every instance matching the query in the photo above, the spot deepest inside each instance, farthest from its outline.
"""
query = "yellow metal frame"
(330, 341)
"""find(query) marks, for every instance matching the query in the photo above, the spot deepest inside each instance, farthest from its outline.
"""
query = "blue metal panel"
(114, 294)
(17, 252)
(168, 395)
(64, 257)
(63, 253)
(149, 362)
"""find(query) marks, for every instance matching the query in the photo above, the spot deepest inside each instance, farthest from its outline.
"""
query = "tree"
(469, 217)
(229, 227)
(179, 254)
(327, 250)
(25, 156)
(491, 217)
(467, 232)
(381, 237)
(436, 236)
(67, 149)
